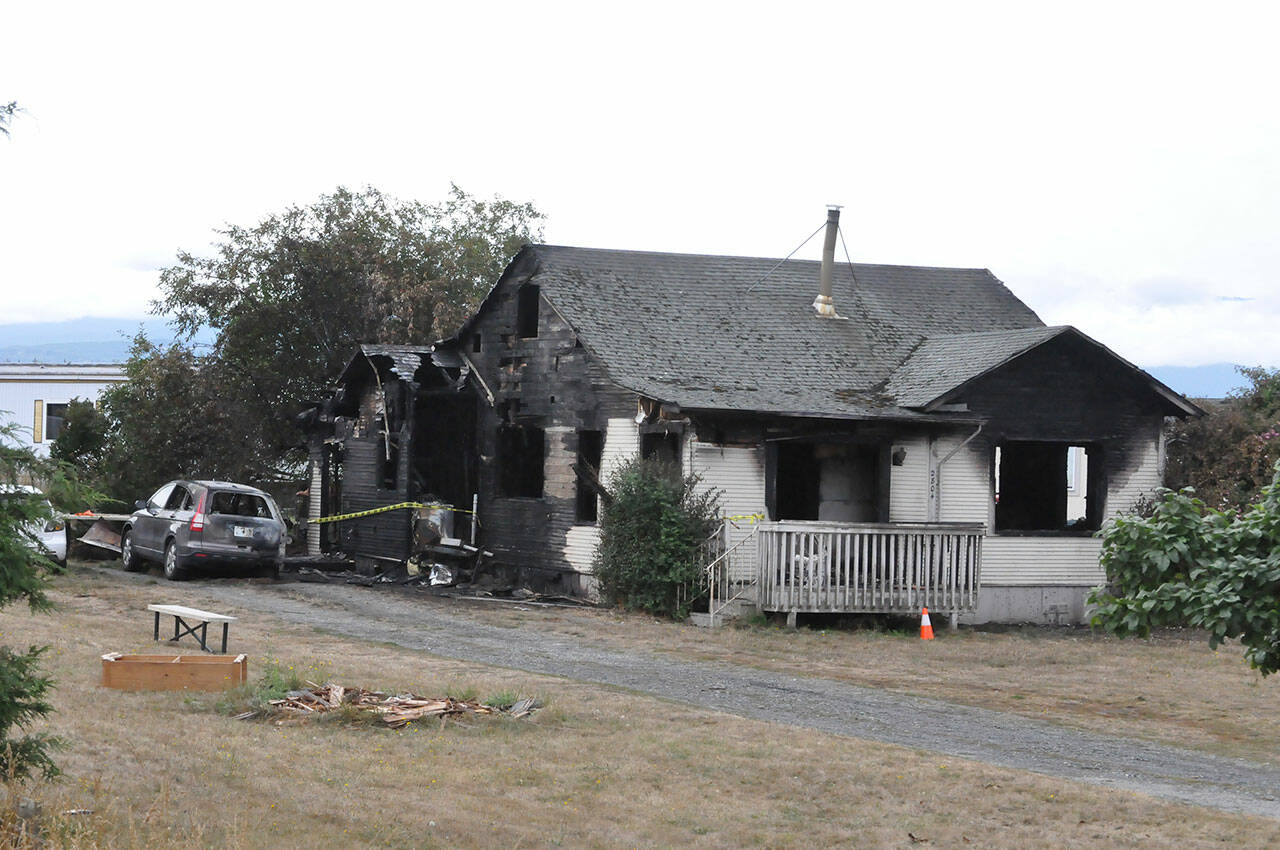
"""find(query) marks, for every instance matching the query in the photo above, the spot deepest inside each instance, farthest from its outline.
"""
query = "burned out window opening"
(521, 452)
(590, 453)
(1048, 487)
(663, 446)
(830, 481)
(476, 345)
(527, 311)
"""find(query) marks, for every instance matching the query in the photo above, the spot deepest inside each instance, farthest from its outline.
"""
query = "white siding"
(965, 492)
(1041, 560)
(738, 472)
(621, 442)
(313, 510)
(909, 483)
(1144, 476)
(21, 385)
(580, 546)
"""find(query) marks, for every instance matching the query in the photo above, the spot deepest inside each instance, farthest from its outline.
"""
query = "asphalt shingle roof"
(710, 332)
(942, 363)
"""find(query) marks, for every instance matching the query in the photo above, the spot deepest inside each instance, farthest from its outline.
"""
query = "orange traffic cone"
(926, 628)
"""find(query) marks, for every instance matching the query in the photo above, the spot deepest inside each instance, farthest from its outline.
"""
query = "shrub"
(1228, 455)
(652, 536)
(1190, 564)
(23, 570)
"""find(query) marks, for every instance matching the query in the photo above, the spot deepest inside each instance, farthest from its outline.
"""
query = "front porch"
(825, 567)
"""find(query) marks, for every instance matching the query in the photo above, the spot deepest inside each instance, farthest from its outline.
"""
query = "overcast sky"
(1117, 165)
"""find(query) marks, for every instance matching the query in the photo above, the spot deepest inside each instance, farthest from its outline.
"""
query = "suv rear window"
(240, 504)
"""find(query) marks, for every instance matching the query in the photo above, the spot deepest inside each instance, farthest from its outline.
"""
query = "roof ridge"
(541, 245)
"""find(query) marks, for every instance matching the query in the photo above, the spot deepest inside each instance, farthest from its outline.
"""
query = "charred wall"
(369, 479)
(1068, 391)
(542, 379)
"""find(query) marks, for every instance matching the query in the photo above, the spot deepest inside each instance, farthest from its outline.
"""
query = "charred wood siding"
(551, 382)
(384, 535)
(1067, 391)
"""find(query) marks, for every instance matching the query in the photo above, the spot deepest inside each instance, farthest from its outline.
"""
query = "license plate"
(242, 531)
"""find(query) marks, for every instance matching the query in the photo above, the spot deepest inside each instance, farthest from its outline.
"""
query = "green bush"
(1190, 564)
(652, 537)
(24, 689)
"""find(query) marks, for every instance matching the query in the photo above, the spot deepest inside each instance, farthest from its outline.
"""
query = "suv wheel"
(129, 558)
(174, 569)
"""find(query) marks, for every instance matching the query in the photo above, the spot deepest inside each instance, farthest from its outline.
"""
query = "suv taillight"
(197, 519)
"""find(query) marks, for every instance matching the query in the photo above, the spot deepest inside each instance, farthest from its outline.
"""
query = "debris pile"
(395, 711)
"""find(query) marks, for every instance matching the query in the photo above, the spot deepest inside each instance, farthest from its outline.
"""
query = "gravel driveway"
(922, 724)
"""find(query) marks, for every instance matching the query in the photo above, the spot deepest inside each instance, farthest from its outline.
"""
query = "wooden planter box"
(173, 672)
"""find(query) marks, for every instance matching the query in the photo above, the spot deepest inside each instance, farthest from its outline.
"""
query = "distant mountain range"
(98, 340)
(87, 340)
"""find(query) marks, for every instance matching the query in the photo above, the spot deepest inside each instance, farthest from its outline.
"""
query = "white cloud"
(1117, 166)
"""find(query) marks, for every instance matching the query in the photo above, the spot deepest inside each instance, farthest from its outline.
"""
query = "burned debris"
(393, 710)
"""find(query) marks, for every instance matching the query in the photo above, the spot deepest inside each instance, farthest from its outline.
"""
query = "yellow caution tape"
(384, 509)
(748, 517)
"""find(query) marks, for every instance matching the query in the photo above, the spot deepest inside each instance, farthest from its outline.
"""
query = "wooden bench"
(187, 621)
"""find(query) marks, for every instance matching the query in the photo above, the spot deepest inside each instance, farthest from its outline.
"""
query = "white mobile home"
(34, 396)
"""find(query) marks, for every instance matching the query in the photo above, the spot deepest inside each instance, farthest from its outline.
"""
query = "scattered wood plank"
(395, 711)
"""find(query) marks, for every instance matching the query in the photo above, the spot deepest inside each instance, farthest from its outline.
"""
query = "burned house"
(913, 436)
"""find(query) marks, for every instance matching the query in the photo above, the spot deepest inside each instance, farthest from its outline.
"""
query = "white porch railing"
(865, 567)
(724, 573)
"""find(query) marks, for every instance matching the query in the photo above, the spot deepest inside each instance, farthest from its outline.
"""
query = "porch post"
(934, 483)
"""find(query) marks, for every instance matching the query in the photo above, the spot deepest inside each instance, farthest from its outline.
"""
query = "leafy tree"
(1190, 564)
(652, 533)
(23, 569)
(170, 418)
(7, 111)
(289, 300)
(1227, 456)
(82, 442)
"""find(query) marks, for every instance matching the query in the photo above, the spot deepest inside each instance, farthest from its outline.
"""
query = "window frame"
(1093, 488)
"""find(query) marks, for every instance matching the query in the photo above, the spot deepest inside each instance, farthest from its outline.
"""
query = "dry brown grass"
(1171, 688)
(599, 768)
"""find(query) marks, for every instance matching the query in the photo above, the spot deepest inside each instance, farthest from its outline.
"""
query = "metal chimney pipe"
(824, 303)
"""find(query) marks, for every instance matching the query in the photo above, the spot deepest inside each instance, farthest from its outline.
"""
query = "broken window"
(179, 500)
(521, 450)
(239, 504)
(590, 452)
(662, 446)
(527, 311)
(1048, 486)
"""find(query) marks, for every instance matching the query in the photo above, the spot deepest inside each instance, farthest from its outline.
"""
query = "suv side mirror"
(140, 505)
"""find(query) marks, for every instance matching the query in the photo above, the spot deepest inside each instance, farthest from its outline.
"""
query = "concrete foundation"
(1049, 605)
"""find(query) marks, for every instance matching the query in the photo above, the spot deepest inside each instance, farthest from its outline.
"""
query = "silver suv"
(190, 523)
